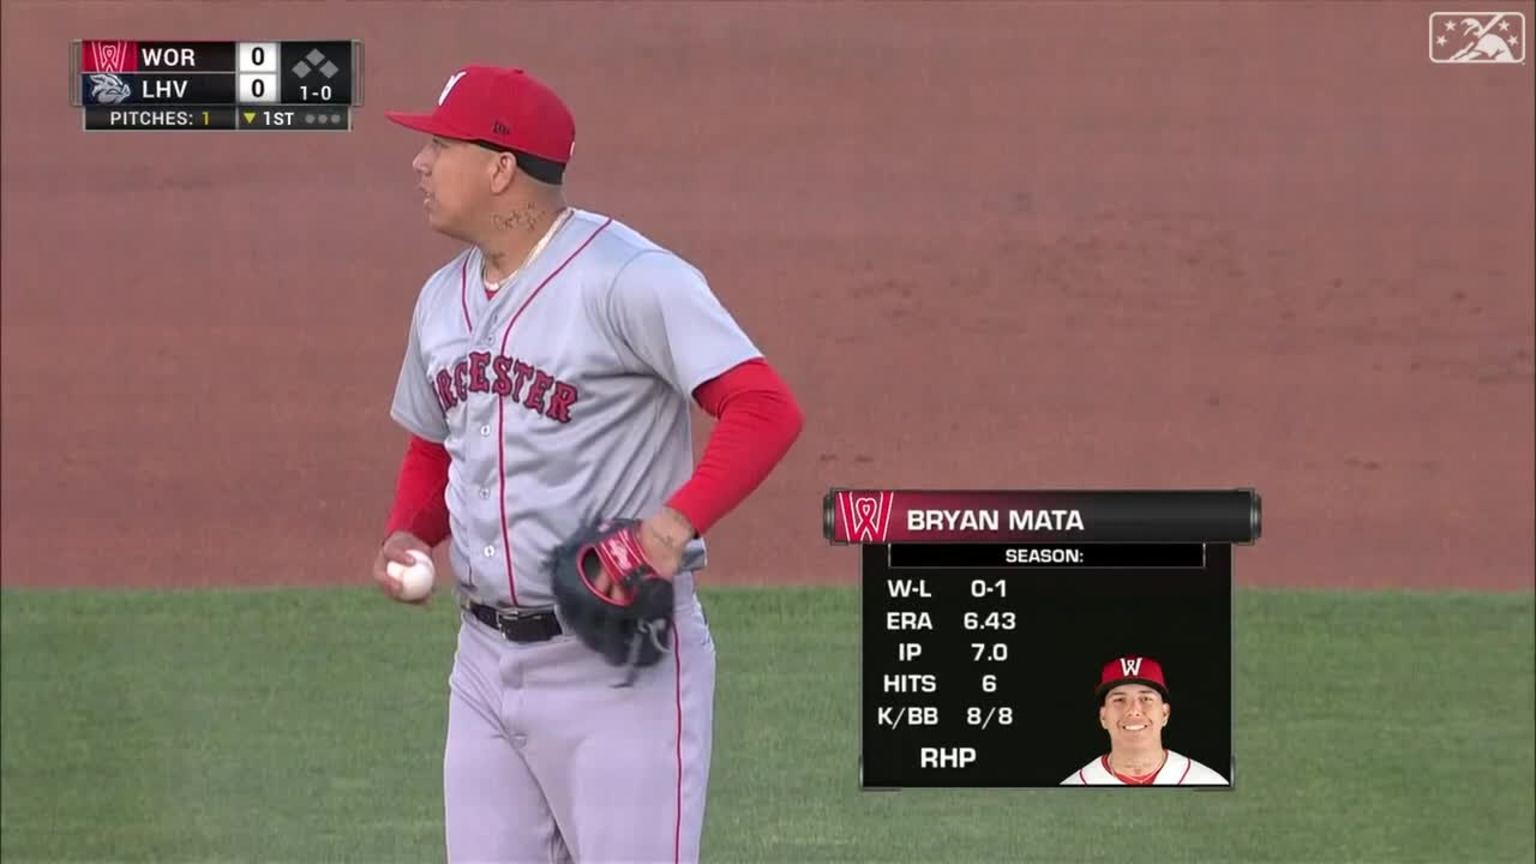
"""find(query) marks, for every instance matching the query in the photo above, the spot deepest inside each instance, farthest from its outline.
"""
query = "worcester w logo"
(448, 88)
(1130, 666)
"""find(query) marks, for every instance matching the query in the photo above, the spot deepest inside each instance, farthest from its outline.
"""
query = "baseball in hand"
(415, 580)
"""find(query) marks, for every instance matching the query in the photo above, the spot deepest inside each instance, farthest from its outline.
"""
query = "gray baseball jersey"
(1177, 770)
(563, 398)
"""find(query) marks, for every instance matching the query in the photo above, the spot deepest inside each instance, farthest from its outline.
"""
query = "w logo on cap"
(448, 88)
(1132, 670)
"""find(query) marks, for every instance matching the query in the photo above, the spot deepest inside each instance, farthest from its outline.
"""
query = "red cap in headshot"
(508, 109)
(1132, 670)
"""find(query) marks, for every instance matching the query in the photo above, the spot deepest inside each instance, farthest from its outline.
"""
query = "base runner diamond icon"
(311, 63)
(1477, 37)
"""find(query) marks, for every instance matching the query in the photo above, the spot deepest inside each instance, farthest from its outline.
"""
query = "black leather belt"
(517, 625)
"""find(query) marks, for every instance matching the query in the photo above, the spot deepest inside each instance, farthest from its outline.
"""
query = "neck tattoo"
(518, 220)
(526, 217)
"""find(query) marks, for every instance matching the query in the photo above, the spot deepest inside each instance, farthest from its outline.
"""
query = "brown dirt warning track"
(1027, 245)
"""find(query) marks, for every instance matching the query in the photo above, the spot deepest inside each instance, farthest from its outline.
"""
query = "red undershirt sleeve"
(419, 504)
(758, 420)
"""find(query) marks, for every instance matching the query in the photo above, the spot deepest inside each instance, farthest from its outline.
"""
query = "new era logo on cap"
(508, 108)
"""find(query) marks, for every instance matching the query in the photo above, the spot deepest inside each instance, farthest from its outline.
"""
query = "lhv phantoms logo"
(108, 89)
(1477, 37)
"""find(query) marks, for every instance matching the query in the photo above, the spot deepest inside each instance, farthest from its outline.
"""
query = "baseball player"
(546, 385)
(1134, 710)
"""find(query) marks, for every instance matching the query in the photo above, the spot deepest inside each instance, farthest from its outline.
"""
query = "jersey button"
(485, 431)
(490, 551)
(485, 493)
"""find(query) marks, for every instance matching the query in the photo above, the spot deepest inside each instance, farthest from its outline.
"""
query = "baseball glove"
(612, 598)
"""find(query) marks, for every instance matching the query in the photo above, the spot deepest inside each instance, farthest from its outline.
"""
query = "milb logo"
(1477, 37)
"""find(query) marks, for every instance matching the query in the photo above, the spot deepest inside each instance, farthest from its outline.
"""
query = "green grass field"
(306, 726)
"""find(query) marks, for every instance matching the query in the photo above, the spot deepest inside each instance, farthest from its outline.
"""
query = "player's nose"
(420, 163)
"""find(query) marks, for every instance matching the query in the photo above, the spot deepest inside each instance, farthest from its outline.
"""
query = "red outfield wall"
(1029, 244)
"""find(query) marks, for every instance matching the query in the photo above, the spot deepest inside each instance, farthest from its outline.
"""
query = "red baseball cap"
(508, 109)
(1132, 670)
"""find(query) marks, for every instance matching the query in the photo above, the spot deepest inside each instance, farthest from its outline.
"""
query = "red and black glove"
(612, 598)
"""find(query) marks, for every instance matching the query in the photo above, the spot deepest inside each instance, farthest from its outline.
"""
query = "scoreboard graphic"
(128, 85)
(999, 626)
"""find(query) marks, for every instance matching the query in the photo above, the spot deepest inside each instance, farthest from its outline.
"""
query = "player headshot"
(1134, 708)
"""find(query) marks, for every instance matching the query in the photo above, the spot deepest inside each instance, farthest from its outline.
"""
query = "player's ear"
(503, 172)
(1103, 721)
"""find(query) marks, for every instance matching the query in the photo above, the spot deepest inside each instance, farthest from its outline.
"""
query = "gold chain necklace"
(554, 228)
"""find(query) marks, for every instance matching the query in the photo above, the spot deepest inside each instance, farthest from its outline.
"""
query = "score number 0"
(256, 64)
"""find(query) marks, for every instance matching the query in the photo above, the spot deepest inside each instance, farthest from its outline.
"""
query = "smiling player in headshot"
(547, 378)
(1134, 709)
